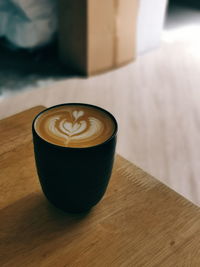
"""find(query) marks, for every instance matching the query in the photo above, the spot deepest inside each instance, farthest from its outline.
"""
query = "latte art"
(74, 130)
(74, 126)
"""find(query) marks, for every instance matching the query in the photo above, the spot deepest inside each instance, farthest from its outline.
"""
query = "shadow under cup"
(74, 179)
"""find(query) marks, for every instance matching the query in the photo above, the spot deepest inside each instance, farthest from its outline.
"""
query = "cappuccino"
(75, 125)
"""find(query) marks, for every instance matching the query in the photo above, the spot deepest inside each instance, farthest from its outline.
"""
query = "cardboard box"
(97, 35)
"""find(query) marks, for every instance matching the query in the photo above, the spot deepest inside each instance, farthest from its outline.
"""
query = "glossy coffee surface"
(75, 125)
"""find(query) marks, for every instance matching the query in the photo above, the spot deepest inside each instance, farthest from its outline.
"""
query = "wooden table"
(139, 222)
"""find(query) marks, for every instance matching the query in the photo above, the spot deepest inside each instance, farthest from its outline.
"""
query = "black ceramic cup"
(74, 179)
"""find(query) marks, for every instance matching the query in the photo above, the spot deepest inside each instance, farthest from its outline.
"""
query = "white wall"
(150, 24)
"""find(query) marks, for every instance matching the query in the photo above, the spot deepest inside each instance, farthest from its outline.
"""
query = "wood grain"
(139, 222)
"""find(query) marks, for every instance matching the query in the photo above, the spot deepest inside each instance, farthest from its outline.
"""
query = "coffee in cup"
(74, 146)
(75, 126)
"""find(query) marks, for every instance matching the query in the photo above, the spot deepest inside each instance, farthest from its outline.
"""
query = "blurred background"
(156, 98)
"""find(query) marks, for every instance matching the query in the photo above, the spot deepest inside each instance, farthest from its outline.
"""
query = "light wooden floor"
(156, 101)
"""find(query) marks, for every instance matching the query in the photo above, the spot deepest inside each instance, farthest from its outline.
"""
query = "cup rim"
(76, 148)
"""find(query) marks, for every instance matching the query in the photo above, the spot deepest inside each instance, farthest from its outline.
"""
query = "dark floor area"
(20, 68)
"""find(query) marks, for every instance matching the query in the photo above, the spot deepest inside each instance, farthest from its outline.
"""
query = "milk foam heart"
(75, 125)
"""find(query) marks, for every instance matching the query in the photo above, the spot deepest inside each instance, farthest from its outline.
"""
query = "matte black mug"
(74, 179)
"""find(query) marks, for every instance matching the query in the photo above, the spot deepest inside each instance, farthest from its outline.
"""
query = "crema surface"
(75, 126)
